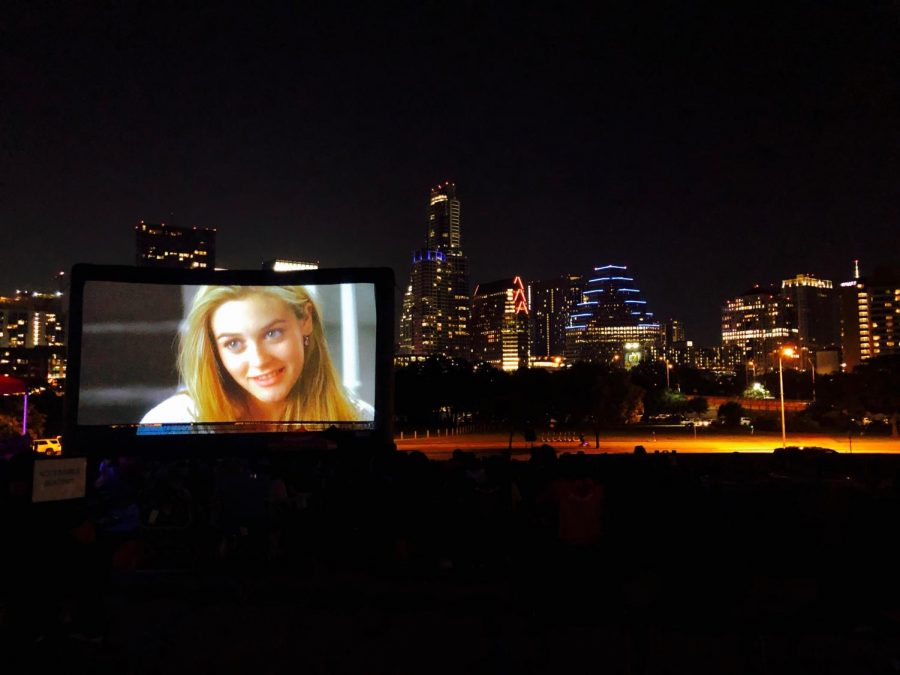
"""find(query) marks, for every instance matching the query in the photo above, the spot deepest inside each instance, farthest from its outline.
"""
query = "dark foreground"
(398, 564)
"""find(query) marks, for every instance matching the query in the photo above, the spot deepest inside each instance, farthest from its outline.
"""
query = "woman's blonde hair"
(317, 395)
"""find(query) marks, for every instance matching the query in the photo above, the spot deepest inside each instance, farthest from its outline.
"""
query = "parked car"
(52, 447)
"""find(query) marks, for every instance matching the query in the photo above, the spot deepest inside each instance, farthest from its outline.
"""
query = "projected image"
(159, 355)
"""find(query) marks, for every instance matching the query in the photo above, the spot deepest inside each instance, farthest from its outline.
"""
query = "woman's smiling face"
(260, 343)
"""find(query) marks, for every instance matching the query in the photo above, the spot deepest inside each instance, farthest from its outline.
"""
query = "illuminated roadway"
(659, 439)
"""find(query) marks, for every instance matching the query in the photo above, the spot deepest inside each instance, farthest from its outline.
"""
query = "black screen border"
(123, 440)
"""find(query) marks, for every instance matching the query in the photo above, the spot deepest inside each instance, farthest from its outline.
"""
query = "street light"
(806, 357)
(812, 369)
(789, 353)
(668, 367)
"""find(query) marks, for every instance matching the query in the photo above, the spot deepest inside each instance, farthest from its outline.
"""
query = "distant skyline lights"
(604, 315)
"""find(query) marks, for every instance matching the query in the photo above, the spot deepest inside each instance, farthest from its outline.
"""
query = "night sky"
(709, 146)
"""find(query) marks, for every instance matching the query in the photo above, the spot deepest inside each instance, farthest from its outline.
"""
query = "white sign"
(56, 479)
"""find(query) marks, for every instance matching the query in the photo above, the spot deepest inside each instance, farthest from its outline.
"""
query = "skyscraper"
(870, 316)
(435, 315)
(611, 324)
(166, 246)
(759, 322)
(33, 336)
(673, 332)
(500, 324)
(33, 320)
(816, 305)
(550, 302)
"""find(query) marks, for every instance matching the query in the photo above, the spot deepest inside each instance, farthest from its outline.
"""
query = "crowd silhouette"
(579, 538)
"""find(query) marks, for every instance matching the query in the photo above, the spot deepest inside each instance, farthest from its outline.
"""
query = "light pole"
(666, 365)
(812, 369)
(788, 352)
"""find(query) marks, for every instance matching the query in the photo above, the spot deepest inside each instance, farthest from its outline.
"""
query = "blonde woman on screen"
(256, 353)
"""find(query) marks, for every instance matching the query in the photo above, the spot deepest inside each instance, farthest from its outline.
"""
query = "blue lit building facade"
(612, 324)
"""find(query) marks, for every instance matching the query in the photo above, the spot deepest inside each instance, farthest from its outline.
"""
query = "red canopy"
(12, 385)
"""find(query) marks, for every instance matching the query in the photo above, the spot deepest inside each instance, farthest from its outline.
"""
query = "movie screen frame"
(85, 436)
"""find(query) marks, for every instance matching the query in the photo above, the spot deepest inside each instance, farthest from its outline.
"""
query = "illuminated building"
(435, 315)
(404, 360)
(550, 302)
(32, 335)
(672, 332)
(32, 320)
(680, 353)
(817, 310)
(418, 360)
(611, 323)
(500, 324)
(851, 298)
(677, 351)
(282, 265)
(37, 365)
(870, 316)
(547, 362)
(758, 322)
(725, 360)
(166, 246)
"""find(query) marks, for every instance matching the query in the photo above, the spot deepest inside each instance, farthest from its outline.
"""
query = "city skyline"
(713, 304)
(707, 148)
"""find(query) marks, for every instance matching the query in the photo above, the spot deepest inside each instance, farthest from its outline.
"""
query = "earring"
(306, 340)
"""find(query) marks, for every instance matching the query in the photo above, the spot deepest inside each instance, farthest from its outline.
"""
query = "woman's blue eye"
(233, 345)
(274, 333)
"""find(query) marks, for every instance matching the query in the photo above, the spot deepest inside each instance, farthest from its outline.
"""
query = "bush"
(698, 405)
(731, 413)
